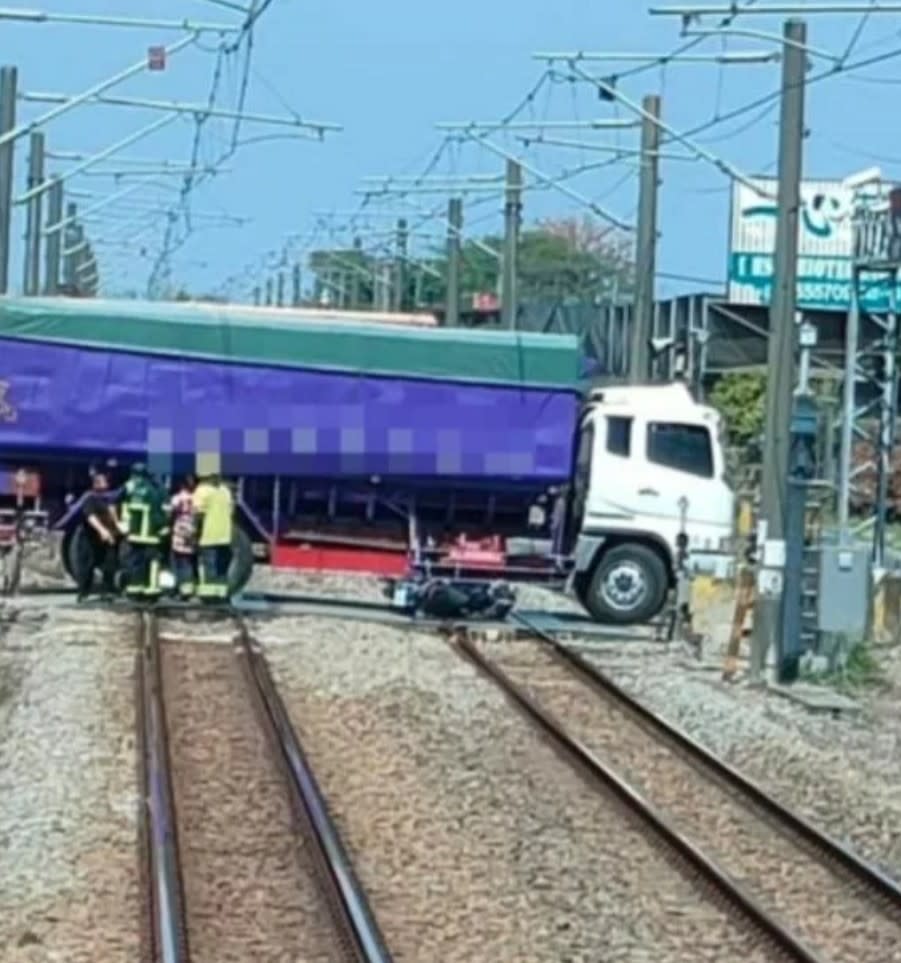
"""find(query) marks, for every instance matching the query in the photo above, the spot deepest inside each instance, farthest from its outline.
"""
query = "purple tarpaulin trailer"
(268, 420)
(293, 396)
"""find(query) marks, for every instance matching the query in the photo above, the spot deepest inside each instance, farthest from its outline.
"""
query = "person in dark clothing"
(101, 538)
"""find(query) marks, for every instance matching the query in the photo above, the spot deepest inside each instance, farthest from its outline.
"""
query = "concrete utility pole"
(781, 350)
(646, 242)
(74, 235)
(355, 298)
(53, 247)
(31, 286)
(8, 92)
(454, 230)
(512, 221)
(384, 287)
(296, 279)
(400, 266)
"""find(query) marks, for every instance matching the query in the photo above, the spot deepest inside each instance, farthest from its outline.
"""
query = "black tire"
(67, 552)
(241, 567)
(628, 586)
(76, 554)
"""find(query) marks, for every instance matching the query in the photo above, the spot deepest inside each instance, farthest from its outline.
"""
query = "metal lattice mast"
(876, 271)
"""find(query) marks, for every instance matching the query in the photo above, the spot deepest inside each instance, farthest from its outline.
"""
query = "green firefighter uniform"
(144, 525)
(214, 506)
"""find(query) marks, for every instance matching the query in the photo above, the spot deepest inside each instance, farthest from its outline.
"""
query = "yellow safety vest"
(215, 504)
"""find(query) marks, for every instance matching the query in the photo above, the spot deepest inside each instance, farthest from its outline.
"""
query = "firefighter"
(143, 525)
(184, 538)
(214, 507)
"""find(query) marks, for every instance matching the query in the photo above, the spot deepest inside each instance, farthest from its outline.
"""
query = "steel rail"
(787, 942)
(862, 870)
(356, 916)
(169, 929)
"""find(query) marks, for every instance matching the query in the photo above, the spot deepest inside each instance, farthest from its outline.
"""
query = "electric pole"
(780, 350)
(356, 287)
(512, 220)
(295, 285)
(646, 242)
(400, 267)
(31, 286)
(53, 247)
(8, 92)
(73, 235)
(455, 226)
(384, 301)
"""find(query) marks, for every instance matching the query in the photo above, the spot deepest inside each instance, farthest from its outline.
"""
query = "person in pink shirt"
(184, 538)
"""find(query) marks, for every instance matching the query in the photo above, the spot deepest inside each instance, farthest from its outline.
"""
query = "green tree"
(182, 295)
(740, 399)
(350, 273)
(558, 259)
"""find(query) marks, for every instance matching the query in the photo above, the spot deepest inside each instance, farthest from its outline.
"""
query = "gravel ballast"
(841, 772)
(821, 904)
(250, 891)
(66, 685)
(474, 840)
(69, 870)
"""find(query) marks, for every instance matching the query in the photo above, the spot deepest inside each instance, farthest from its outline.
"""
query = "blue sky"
(389, 71)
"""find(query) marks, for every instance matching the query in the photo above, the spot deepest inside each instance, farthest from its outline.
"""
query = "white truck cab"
(650, 465)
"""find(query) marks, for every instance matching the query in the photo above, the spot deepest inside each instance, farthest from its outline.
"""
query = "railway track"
(808, 896)
(227, 785)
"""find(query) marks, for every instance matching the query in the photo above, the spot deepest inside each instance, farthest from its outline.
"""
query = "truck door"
(581, 484)
(614, 500)
(682, 461)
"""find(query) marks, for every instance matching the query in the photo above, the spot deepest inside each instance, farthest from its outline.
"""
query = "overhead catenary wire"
(716, 129)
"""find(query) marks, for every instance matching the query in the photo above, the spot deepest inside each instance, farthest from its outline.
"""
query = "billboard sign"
(825, 246)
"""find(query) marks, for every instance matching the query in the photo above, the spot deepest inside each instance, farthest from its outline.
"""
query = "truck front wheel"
(628, 586)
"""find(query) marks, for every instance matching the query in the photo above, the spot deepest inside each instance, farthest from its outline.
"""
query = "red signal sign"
(156, 58)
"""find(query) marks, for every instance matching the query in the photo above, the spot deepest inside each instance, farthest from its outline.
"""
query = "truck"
(404, 451)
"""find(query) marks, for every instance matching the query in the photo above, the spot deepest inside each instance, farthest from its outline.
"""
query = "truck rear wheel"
(77, 556)
(76, 552)
(627, 587)
(68, 553)
(241, 567)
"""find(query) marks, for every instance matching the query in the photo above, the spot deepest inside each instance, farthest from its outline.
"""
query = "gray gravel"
(474, 840)
(69, 883)
(826, 909)
(843, 773)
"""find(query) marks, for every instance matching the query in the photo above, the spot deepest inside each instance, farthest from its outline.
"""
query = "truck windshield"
(686, 448)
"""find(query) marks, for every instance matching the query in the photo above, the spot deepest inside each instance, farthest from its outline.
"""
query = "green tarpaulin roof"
(294, 338)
